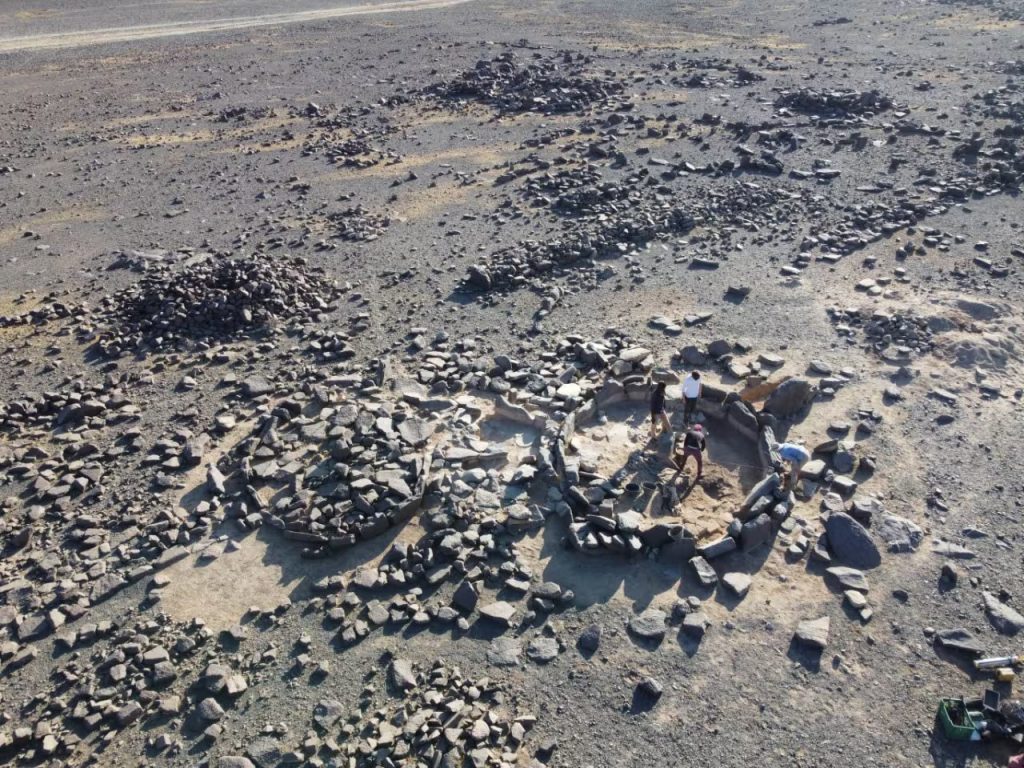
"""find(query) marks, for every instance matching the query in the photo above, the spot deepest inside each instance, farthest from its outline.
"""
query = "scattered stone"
(649, 625)
(850, 541)
(737, 583)
(1003, 617)
(813, 632)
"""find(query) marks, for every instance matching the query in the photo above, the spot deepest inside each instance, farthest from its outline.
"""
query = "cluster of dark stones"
(708, 73)
(212, 300)
(548, 84)
(51, 308)
(642, 214)
(341, 471)
(357, 224)
(834, 104)
(435, 716)
(896, 337)
(347, 137)
(114, 675)
(867, 223)
(243, 114)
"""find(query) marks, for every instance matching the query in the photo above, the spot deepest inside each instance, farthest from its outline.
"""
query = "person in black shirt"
(694, 444)
(658, 415)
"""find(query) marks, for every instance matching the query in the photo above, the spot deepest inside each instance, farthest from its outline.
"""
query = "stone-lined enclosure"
(589, 508)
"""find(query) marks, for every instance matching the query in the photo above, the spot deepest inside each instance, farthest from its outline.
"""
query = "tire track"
(176, 29)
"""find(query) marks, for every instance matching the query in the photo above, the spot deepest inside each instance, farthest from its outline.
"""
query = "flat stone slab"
(960, 641)
(850, 542)
(737, 583)
(504, 652)
(949, 549)
(899, 534)
(650, 625)
(542, 649)
(848, 578)
(499, 612)
(813, 632)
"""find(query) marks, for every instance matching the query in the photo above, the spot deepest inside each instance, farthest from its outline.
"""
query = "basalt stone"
(790, 398)
(1003, 617)
(899, 534)
(499, 612)
(706, 575)
(813, 633)
(848, 578)
(756, 532)
(737, 583)
(850, 542)
(649, 625)
(590, 639)
(718, 548)
(960, 640)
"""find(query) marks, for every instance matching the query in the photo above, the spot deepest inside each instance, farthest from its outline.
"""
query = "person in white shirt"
(692, 389)
(796, 455)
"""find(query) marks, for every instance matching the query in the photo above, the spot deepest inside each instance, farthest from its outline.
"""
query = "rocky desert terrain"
(327, 336)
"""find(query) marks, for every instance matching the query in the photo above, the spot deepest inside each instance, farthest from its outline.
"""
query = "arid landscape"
(327, 338)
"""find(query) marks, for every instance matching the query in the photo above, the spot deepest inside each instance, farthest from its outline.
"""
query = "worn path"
(91, 26)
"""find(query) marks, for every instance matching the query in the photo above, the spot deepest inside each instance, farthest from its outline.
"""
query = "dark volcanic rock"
(850, 541)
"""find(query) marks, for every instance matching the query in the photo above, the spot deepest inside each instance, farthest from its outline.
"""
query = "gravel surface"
(327, 347)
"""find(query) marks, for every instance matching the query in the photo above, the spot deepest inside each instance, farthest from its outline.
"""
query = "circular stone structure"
(605, 477)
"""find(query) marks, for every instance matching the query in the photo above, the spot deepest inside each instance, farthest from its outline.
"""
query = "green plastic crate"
(958, 722)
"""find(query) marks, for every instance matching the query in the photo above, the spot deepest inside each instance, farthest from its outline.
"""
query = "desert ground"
(327, 337)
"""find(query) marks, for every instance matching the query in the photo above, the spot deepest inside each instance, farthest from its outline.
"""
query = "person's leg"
(700, 464)
(689, 404)
(654, 425)
(797, 468)
(666, 425)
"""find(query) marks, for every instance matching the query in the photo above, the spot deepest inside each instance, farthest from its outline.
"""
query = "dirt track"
(102, 35)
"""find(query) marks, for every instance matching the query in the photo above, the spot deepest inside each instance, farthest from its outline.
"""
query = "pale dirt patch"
(484, 155)
(265, 570)
(964, 21)
(429, 201)
(44, 222)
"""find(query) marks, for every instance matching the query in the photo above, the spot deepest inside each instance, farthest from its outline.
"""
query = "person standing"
(692, 389)
(658, 416)
(796, 455)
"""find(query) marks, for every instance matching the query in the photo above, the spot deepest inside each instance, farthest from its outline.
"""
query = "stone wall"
(594, 525)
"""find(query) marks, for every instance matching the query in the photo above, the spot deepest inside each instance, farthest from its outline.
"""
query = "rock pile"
(895, 337)
(357, 224)
(348, 136)
(340, 471)
(211, 299)
(612, 220)
(514, 266)
(708, 73)
(50, 308)
(117, 676)
(839, 103)
(550, 85)
(438, 717)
